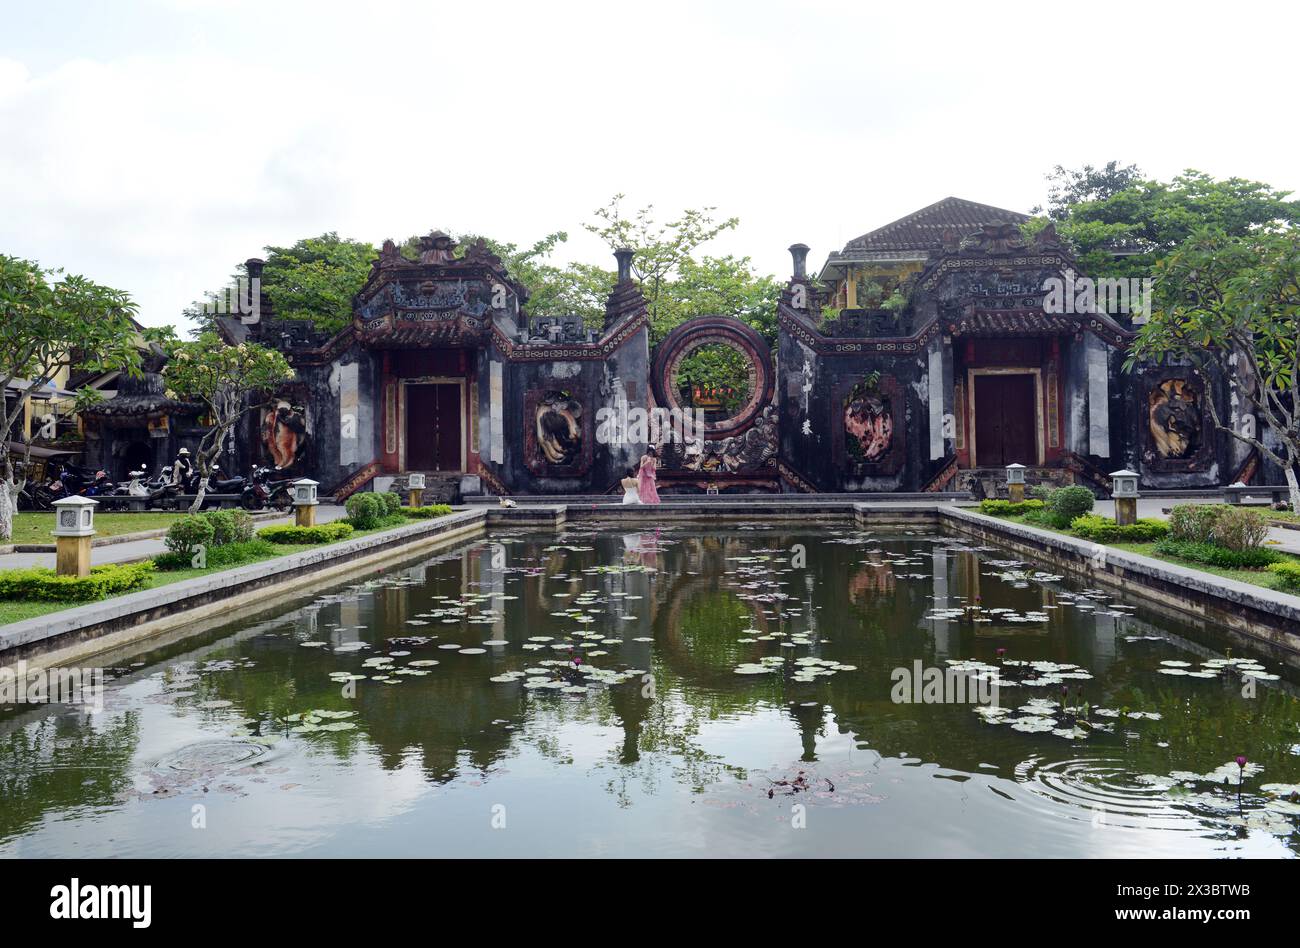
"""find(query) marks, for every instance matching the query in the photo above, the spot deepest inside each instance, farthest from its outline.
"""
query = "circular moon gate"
(723, 330)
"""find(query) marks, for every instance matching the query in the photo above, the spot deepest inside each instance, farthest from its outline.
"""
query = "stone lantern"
(305, 502)
(74, 527)
(1016, 483)
(1124, 489)
(415, 482)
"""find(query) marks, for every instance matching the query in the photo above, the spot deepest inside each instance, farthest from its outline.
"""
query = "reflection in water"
(673, 692)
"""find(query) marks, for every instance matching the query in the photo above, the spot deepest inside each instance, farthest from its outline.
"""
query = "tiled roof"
(924, 229)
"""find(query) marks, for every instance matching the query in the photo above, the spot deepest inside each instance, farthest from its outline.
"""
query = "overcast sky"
(153, 145)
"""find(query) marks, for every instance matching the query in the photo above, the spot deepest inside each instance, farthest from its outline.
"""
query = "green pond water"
(733, 695)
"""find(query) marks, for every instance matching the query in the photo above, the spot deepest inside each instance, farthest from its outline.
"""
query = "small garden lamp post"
(1016, 483)
(74, 527)
(1124, 488)
(305, 502)
(416, 484)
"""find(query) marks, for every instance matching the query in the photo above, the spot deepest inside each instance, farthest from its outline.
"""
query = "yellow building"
(872, 267)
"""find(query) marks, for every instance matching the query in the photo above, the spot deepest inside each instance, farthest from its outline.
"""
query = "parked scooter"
(83, 481)
(263, 491)
(229, 485)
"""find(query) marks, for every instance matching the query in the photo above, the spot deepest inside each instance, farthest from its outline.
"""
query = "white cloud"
(155, 147)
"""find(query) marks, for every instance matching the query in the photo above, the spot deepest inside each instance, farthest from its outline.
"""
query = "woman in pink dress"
(646, 487)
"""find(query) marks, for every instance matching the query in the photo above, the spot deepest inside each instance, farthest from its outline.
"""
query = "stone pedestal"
(1016, 492)
(304, 515)
(1126, 510)
(417, 497)
(72, 555)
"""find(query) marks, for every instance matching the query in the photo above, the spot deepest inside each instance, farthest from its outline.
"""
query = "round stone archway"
(724, 330)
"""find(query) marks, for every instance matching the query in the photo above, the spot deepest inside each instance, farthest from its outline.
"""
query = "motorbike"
(75, 480)
(228, 485)
(262, 491)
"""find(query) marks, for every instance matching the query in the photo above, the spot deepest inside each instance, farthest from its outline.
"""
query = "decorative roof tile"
(924, 229)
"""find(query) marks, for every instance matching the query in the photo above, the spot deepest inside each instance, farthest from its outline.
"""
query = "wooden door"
(433, 427)
(1005, 420)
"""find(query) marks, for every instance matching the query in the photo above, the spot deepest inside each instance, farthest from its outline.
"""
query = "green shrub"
(1065, 504)
(1212, 554)
(187, 534)
(364, 510)
(218, 557)
(1101, 529)
(1240, 528)
(392, 503)
(1288, 573)
(1040, 492)
(43, 584)
(1193, 523)
(321, 533)
(223, 526)
(427, 512)
(1000, 508)
(243, 530)
(1226, 525)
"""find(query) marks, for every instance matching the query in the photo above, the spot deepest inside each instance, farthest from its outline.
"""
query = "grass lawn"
(1255, 577)
(36, 527)
(18, 610)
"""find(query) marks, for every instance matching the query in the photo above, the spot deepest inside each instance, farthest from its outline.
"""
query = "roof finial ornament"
(624, 257)
(437, 248)
(799, 255)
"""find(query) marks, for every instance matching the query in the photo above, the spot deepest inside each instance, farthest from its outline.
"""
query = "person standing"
(182, 467)
(647, 486)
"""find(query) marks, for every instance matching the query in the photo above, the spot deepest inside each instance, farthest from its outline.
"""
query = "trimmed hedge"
(365, 510)
(321, 533)
(188, 534)
(427, 512)
(1001, 508)
(1104, 530)
(1288, 572)
(1213, 555)
(44, 585)
(391, 502)
(1066, 504)
(218, 557)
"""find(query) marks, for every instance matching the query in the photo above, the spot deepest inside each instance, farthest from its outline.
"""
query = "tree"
(663, 251)
(48, 322)
(1124, 233)
(1235, 301)
(314, 279)
(229, 380)
(1086, 184)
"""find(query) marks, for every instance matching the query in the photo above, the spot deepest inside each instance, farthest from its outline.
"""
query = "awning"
(18, 387)
(20, 449)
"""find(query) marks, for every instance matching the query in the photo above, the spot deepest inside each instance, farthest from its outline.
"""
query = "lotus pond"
(709, 692)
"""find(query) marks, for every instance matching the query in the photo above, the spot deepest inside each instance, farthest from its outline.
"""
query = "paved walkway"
(132, 550)
(1287, 540)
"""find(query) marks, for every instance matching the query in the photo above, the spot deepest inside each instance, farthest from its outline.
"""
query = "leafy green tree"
(1234, 301)
(229, 380)
(49, 321)
(662, 251)
(1087, 184)
(316, 279)
(1121, 226)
